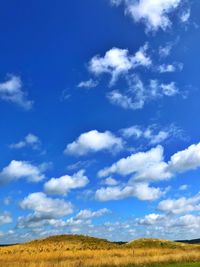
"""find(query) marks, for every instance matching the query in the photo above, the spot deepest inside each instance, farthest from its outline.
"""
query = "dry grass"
(86, 252)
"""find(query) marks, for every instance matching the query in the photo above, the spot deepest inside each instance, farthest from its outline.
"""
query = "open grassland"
(74, 251)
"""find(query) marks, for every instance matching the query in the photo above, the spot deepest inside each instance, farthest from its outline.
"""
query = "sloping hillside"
(153, 243)
(73, 242)
(85, 251)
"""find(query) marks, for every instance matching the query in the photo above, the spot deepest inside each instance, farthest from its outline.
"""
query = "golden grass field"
(74, 251)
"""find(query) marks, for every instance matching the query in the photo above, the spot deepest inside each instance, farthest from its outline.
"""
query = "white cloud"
(133, 98)
(29, 140)
(87, 214)
(81, 164)
(63, 185)
(166, 68)
(185, 16)
(133, 131)
(153, 134)
(170, 227)
(164, 51)
(169, 89)
(88, 84)
(151, 166)
(189, 221)
(144, 192)
(110, 181)
(11, 91)
(123, 100)
(188, 159)
(141, 58)
(21, 169)
(141, 191)
(45, 207)
(181, 205)
(94, 141)
(145, 168)
(183, 187)
(138, 93)
(38, 222)
(154, 14)
(118, 62)
(170, 67)
(138, 163)
(5, 218)
(151, 219)
(157, 138)
(158, 90)
(116, 2)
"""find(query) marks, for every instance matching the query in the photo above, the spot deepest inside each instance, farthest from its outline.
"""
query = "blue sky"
(99, 104)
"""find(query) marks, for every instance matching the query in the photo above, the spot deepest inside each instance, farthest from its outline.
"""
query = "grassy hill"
(85, 251)
(153, 243)
(73, 242)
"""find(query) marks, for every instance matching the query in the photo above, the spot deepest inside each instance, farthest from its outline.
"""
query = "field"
(74, 251)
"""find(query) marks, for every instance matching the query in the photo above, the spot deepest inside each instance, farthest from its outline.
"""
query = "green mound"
(153, 243)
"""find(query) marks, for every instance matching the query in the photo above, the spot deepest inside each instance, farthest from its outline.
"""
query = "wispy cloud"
(30, 140)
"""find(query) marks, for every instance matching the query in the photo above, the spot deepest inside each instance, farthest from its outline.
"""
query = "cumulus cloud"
(94, 141)
(141, 191)
(30, 140)
(151, 166)
(118, 61)
(181, 205)
(63, 185)
(145, 168)
(138, 163)
(179, 227)
(151, 219)
(11, 91)
(46, 207)
(154, 15)
(21, 169)
(5, 218)
(188, 159)
(37, 222)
